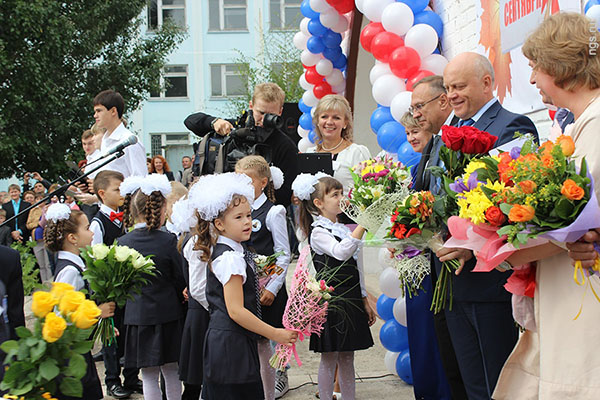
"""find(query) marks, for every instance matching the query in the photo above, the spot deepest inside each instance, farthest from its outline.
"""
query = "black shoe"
(118, 392)
(98, 356)
(137, 387)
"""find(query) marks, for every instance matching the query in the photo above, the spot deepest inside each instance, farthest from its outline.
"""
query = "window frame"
(159, 10)
(163, 91)
(223, 75)
(281, 23)
(221, 16)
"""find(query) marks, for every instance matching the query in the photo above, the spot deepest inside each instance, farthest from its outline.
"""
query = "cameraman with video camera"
(263, 127)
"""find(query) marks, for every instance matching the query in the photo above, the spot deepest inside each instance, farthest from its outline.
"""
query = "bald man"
(480, 323)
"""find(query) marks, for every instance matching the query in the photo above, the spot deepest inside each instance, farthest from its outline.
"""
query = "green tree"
(55, 56)
(277, 60)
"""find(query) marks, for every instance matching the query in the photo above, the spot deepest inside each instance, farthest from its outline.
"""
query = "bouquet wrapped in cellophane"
(115, 273)
(305, 311)
(267, 268)
(379, 183)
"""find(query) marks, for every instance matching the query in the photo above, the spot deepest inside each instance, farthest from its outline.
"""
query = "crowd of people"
(205, 312)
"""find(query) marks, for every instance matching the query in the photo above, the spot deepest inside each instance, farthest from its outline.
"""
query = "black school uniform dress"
(347, 325)
(69, 269)
(269, 236)
(154, 318)
(231, 366)
(196, 321)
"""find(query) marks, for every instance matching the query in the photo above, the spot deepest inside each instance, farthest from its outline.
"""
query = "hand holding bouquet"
(115, 273)
(53, 351)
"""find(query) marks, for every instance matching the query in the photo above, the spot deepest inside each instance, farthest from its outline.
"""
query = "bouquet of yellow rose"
(115, 273)
(51, 356)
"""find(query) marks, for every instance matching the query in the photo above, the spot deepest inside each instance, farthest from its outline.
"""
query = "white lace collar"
(336, 228)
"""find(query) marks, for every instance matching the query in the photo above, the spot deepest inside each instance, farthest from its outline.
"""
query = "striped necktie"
(466, 122)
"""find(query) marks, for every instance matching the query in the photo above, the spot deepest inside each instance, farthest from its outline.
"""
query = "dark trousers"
(429, 378)
(483, 335)
(113, 353)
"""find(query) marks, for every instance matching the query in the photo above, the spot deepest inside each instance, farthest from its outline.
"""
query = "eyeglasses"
(418, 107)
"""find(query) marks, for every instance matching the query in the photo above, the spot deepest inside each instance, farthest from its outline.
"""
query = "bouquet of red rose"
(463, 144)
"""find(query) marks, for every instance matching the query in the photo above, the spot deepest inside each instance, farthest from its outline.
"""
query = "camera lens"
(272, 121)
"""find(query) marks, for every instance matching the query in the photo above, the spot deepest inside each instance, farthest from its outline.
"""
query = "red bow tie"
(114, 215)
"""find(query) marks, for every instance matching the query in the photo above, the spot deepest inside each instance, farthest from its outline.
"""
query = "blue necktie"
(466, 122)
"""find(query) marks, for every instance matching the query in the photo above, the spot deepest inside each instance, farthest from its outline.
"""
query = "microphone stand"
(64, 187)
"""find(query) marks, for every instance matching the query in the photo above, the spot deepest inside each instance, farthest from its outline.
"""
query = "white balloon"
(379, 70)
(304, 144)
(304, 27)
(339, 89)
(360, 5)
(309, 98)
(319, 5)
(304, 84)
(345, 46)
(303, 132)
(434, 63)
(341, 26)
(329, 18)
(594, 13)
(384, 257)
(397, 18)
(312, 111)
(373, 9)
(389, 360)
(335, 77)
(300, 40)
(389, 282)
(386, 87)
(400, 104)
(400, 310)
(324, 67)
(309, 59)
(423, 38)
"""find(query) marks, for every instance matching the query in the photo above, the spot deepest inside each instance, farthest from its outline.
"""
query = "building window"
(173, 80)
(160, 11)
(226, 80)
(285, 14)
(227, 15)
(156, 147)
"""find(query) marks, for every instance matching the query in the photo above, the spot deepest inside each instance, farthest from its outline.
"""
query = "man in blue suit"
(480, 323)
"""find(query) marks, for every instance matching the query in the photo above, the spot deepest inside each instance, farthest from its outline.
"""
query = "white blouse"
(69, 274)
(230, 262)
(197, 272)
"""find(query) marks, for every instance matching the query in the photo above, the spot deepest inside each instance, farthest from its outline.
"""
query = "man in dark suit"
(19, 231)
(480, 323)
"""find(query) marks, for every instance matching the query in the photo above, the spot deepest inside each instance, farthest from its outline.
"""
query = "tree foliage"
(277, 60)
(55, 56)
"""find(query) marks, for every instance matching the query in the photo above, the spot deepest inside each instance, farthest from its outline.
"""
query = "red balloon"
(322, 89)
(416, 78)
(344, 6)
(404, 62)
(312, 76)
(368, 33)
(384, 43)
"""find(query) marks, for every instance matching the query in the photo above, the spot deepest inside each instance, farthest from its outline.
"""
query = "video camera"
(251, 132)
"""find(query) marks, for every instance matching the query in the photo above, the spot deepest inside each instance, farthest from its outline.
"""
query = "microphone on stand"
(119, 147)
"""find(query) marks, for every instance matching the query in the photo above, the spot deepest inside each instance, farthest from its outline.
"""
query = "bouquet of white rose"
(115, 273)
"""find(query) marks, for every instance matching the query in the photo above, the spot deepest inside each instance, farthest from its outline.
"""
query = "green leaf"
(71, 387)
(9, 346)
(38, 350)
(48, 369)
(23, 332)
(83, 347)
(564, 208)
(505, 208)
(77, 367)
(26, 388)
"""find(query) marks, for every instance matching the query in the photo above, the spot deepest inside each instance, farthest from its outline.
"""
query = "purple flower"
(472, 181)
(458, 186)
(409, 252)
(515, 152)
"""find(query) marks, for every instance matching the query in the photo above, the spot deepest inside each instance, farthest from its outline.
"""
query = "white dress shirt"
(322, 241)
(90, 158)
(95, 225)
(230, 262)
(276, 223)
(69, 274)
(197, 272)
(134, 160)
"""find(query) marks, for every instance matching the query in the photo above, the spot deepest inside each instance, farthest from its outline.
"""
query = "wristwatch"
(505, 265)
(212, 123)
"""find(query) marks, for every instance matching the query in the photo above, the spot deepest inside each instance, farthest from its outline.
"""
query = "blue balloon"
(380, 116)
(307, 11)
(316, 28)
(385, 307)
(303, 107)
(332, 53)
(306, 121)
(416, 5)
(403, 367)
(436, 51)
(432, 19)
(589, 4)
(331, 39)
(312, 137)
(315, 45)
(390, 136)
(340, 63)
(407, 156)
(393, 336)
